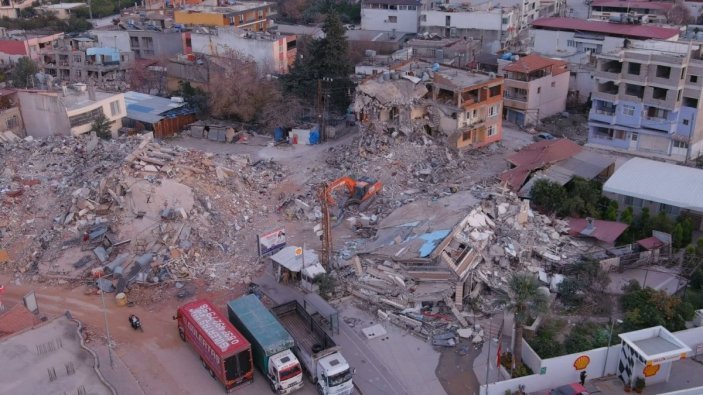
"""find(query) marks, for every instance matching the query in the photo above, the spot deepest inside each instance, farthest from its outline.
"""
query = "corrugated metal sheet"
(660, 182)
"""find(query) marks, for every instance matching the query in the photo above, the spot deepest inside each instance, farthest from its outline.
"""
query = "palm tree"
(524, 300)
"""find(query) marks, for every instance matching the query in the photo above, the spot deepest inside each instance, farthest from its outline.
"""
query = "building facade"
(402, 16)
(535, 88)
(253, 16)
(82, 59)
(272, 53)
(621, 11)
(647, 100)
(70, 112)
(14, 46)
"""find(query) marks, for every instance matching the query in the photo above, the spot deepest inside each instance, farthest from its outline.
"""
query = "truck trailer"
(270, 343)
(224, 352)
(324, 364)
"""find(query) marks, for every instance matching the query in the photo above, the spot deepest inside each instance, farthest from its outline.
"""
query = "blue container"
(278, 134)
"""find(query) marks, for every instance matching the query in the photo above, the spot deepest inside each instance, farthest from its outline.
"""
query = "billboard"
(270, 242)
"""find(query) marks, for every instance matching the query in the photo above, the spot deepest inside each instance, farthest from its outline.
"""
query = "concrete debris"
(121, 199)
(374, 331)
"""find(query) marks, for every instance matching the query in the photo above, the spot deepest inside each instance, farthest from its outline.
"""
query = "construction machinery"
(360, 192)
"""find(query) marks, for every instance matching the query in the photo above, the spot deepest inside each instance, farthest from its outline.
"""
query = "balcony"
(515, 101)
(609, 70)
(602, 115)
(658, 124)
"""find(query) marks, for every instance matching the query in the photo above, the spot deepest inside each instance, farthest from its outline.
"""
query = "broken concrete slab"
(374, 331)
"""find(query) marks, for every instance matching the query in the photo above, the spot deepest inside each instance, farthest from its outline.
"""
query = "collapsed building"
(462, 107)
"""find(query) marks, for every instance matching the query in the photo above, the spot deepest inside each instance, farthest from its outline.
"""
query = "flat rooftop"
(656, 345)
(606, 28)
(75, 100)
(55, 346)
(63, 6)
(238, 7)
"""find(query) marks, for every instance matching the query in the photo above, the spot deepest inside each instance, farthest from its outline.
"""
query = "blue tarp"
(432, 239)
(113, 53)
(262, 325)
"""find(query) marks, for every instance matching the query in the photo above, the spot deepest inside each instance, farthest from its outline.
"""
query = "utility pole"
(326, 228)
(107, 327)
(90, 9)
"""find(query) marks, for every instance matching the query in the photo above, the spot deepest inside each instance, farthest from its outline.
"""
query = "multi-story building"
(535, 88)
(647, 100)
(62, 10)
(82, 59)
(253, 16)
(10, 116)
(493, 25)
(460, 106)
(402, 16)
(18, 43)
(69, 112)
(638, 10)
(145, 44)
(11, 8)
(578, 41)
(273, 53)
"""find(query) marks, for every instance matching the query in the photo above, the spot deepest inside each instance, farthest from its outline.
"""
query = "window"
(693, 78)
(85, 118)
(554, 84)
(638, 202)
(493, 111)
(690, 102)
(629, 201)
(241, 18)
(412, 7)
(634, 68)
(12, 122)
(619, 135)
(392, 19)
(492, 130)
(634, 136)
(466, 136)
(494, 91)
(663, 72)
(115, 108)
(539, 90)
(680, 144)
(504, 21)
(678, 96)
(659, 93)
(571, 43)
(653, 112)
(628, 110)
(685, 122)
(423, 18)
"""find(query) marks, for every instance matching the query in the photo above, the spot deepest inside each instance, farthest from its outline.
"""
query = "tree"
(102, 127)
(325, 61)
(646, 307)
(548, 195)
(525, 301)
(23, 74)
(679, 14)
(611, 211)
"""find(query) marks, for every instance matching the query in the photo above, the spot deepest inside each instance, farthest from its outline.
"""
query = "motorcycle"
(135, 322)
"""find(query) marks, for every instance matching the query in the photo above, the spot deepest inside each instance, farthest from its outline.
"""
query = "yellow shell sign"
(582, 362)
(650, 370)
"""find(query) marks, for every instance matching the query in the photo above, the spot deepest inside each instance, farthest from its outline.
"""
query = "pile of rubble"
(130, 211)
(468, 266)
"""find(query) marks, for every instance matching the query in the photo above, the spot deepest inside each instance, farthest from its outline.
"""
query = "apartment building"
(18, 43)
(253, 16)
(638, 10)
(11, 8)
(69, 112)
(145, 44)
(82, 59)
(535, 88)
(273, 53)
(455, 105)
(647, 100)
(578, 41)
(402, 16)
(493, 25)
(62, 10)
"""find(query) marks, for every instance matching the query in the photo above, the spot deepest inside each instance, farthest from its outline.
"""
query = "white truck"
(324, 365)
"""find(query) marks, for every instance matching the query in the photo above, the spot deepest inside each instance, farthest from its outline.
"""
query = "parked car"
(543, 136)
(570, 389)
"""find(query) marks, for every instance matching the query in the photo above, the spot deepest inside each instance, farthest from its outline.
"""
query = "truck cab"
(334, 376)
(285, 372)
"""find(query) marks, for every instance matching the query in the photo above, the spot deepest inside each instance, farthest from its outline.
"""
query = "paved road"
(372, 377)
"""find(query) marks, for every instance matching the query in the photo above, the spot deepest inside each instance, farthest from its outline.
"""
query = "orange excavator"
(358, 192)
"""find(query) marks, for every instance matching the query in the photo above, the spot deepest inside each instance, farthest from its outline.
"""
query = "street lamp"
(610, 338)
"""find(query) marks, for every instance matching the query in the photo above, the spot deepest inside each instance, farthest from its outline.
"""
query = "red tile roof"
(536, 156)
(607, 28)
(16, 319)
(637, 4)
(650, 243)
(606, 231)
(13, 47)
(534, 62)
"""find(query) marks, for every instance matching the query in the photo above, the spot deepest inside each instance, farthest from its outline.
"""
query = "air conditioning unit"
(698, 318)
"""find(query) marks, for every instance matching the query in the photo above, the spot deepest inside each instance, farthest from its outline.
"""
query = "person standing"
(583, 377)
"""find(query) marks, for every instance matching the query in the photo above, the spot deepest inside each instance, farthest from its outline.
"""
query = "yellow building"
(248, 16)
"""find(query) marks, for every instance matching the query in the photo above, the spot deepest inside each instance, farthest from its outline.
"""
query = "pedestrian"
(583, 377)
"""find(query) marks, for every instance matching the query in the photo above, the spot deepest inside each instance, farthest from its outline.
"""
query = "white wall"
(43, 115)
(477, 20)
(105, 104)
(269, 55)
(377, 19)
(691, 337)
(113, 39)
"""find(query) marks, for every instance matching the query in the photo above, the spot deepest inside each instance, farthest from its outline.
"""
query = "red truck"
(224, 352)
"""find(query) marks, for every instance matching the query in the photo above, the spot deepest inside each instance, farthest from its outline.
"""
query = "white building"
(401, 16)
(578, 41)
(273, 53)
(69, 113)
(493, 25)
